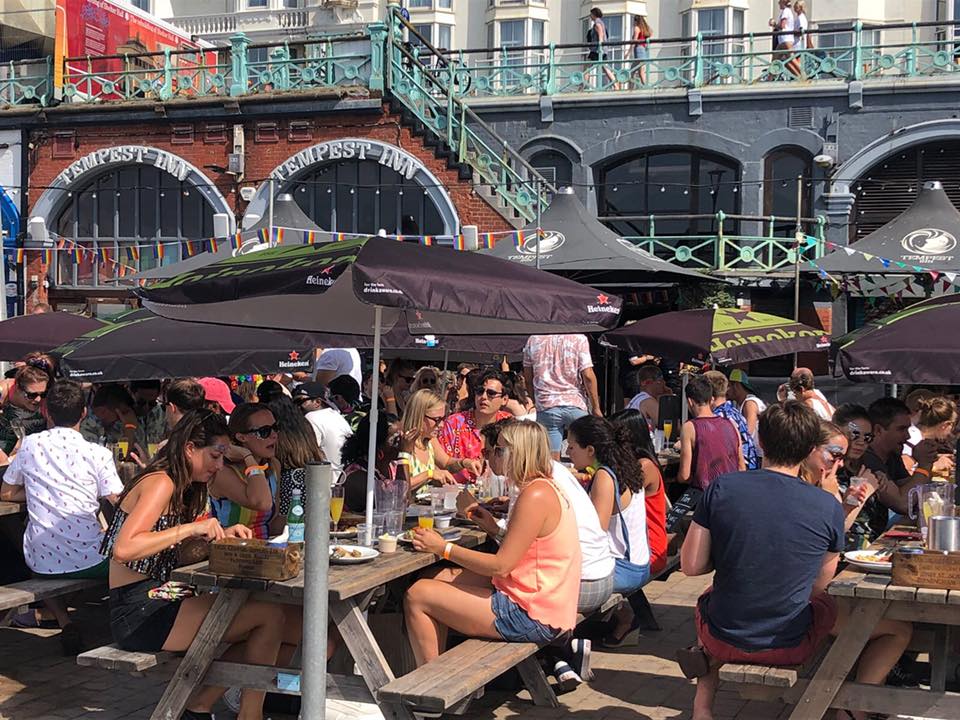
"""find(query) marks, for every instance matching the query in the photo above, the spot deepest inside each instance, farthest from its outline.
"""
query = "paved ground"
(634, 683)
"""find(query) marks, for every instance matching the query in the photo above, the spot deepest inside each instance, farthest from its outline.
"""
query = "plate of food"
(351, 554)
(870, 560)
(449, 534)
(348, 532)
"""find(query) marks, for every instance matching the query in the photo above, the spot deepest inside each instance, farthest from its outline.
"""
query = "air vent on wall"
(800, 117)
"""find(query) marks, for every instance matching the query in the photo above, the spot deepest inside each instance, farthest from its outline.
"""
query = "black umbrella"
(42, 332)
(915, 345)
(577, 245)
(374, 284)
(143, 346)
(923, 236)
(286, 214)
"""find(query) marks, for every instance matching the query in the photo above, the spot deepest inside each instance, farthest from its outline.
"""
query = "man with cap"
(217, 395)
(740, 392)
(330, 427)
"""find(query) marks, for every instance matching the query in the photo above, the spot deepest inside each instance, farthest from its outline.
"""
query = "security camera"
(825, 161)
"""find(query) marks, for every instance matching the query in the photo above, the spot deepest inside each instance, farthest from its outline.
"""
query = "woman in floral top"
(460, 433)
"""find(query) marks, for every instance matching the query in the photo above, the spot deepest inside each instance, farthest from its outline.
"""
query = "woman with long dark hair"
(161, 508)
(245, 489)
(594, 445)
(296, 448)
(354, 457)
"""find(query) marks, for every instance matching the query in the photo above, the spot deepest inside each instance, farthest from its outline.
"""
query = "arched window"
(781, 168)
(670, 182)
(123, 207)
(891, 186)
(364, 196)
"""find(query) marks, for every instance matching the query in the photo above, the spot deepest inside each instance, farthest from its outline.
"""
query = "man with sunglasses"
(21, 414)
(330, 427)
(460, 433)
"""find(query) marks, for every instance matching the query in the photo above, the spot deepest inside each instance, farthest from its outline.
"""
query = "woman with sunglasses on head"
(460, 434)
(244, 491)
(159, 510)
(422, 458)
(395, 387)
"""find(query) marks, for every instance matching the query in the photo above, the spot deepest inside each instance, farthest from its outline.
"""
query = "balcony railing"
(244, 21)
(26, 82)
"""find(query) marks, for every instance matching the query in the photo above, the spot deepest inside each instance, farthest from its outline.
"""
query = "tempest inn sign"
(387, 155)
(122, 155)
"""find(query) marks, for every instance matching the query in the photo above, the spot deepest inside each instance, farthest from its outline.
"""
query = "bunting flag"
(428, 239)
(264, 235)
(159, 252)
(339, 237)
(399, 238)
(518, 238)
(310, 236)
(105, 254)
(460, 243)
(21, 253)
(189, 248)
(213, 245)
(61, 243)
(77, 253)
(133, 252)
(48, 257)
(487, 240)
(278, 235)
(237, 241)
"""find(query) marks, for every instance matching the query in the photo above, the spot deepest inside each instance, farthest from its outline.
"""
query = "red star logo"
(603, 299)
(294, 355)
(327, 270)
(419, 315)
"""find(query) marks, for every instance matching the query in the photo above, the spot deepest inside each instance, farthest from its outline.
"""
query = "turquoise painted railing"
(26, 82)
(438, 106)
(729, 253)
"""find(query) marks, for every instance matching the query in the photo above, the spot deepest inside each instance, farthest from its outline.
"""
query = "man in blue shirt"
(726, 409)
(773, 542)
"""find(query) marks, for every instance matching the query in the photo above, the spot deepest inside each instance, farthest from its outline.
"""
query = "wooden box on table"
(256, 559)
(929, 569)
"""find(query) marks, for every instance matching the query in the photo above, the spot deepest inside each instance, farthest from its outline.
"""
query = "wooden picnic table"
(872, 597)
(351, 587)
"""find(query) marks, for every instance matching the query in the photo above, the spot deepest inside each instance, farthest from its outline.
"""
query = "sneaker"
(567, 679)
(231, 698)
(580, 661)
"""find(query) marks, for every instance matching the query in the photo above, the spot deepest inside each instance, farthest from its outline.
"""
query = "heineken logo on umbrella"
(603, 306)
(294, 360)
(929, 241)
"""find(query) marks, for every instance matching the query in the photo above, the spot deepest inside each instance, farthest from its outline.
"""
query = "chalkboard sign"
(687, 503)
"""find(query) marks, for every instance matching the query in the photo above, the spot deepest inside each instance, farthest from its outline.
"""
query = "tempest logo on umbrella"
(295, 360)
(603, 306)
(550, 241)
(928, 241)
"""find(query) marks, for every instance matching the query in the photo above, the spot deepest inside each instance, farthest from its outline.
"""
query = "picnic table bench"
(12, 508)
(15, 598)
(822, 683)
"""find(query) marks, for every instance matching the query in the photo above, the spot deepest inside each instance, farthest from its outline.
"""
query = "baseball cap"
(216, 390)
(740, 376)
(310, 391)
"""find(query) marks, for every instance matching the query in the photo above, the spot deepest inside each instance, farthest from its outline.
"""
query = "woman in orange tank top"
(527, 591)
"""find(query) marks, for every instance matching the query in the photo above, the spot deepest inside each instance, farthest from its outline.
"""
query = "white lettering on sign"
(123, 154)
(387, 155)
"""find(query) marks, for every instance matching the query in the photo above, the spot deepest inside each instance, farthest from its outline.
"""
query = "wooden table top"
(12, 508)
(879, 586)
(345, 581)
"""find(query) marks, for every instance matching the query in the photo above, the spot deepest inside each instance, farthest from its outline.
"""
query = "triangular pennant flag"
(917, 268)
(885, 262)
(868, 257)
(946, 285)
(934, 274)
(849, 251)
(901, 265)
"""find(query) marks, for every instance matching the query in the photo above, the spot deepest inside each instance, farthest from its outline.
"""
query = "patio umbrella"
(924, 235)
(914, 345)
(729, 335)
(144, 346)
(575, 244)
(43, 332)
(374, 284)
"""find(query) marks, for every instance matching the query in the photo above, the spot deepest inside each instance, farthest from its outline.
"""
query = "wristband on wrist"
(447, 549)
(429, 473)
(922, 471)
(255, 469)
(130, 426)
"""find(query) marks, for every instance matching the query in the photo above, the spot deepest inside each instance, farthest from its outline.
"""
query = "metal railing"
(26, 82)
(720, 251)
(437, 106)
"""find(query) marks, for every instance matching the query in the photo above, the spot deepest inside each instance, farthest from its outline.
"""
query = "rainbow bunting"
(133, 252)
(264, 235)
(518, 238)
(213, 245)
(20, 255)
(159, 250)
(278, 233)
(48, 257)
(428, 239)
(237, 241)
(77, 253)
(105, 254)
(190, 248)
(459, 242)
(339, 237)
(310, 236)
(399, 238)
(489, 241)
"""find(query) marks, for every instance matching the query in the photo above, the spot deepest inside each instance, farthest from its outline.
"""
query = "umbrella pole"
(798, 237)
(316, 566)
(684, 379)
(374, 418)
(270, 215)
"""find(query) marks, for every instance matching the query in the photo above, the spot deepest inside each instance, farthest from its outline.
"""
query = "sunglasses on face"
(834, 453)
(428, 381)
(490, 393)
(500, 450)
(856, 434)
(435, 420)
(33, 396)
(262, 432)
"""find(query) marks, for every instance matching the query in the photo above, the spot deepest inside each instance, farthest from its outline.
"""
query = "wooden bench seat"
(16, 597)
(110, 657)
(459, 673)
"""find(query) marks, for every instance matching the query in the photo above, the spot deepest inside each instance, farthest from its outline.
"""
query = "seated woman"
(296, 447)
(244, 491)
(592, 443)
(157, 512)
(873, 517)
(936, 419)
(354, 457)
(525, 592)
(422, 458)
